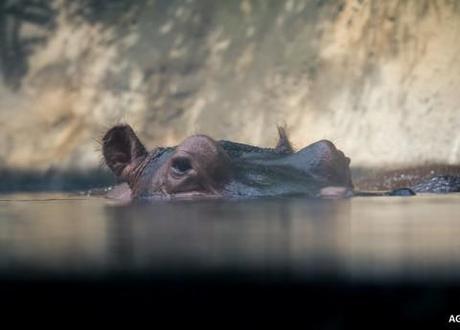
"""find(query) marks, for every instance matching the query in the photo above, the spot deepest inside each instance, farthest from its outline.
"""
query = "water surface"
(370, 238)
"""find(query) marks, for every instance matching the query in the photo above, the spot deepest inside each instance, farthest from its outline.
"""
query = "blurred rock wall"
(379, 78)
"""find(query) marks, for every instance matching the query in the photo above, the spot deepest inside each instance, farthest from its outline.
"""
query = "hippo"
(203, 168)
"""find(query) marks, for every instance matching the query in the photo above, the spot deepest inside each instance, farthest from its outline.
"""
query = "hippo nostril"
(181, 165)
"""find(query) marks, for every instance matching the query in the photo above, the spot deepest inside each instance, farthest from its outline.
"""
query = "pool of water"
(364, 262)
(365, 238)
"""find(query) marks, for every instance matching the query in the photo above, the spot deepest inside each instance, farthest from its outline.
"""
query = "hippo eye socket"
(181, 165)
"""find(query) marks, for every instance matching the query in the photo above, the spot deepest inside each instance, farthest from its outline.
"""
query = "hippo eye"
(181, 166)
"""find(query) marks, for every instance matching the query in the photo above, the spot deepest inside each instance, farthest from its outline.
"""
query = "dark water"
(376, 239)
(370, 262)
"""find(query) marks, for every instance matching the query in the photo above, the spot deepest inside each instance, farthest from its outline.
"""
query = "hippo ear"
(120, 147)
(283, 146)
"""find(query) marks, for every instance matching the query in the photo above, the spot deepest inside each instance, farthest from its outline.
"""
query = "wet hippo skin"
(201, 167)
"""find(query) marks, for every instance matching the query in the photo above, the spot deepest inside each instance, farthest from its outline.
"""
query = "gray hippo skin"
(201, 167)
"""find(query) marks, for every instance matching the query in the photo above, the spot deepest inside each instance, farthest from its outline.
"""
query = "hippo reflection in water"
(201, 167)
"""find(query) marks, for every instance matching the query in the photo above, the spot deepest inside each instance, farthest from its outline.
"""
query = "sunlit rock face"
(378, 78)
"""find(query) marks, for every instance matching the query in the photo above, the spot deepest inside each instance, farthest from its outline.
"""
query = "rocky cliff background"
(379, 78)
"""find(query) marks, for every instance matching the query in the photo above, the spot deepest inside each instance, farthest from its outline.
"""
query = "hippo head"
(201, 167)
